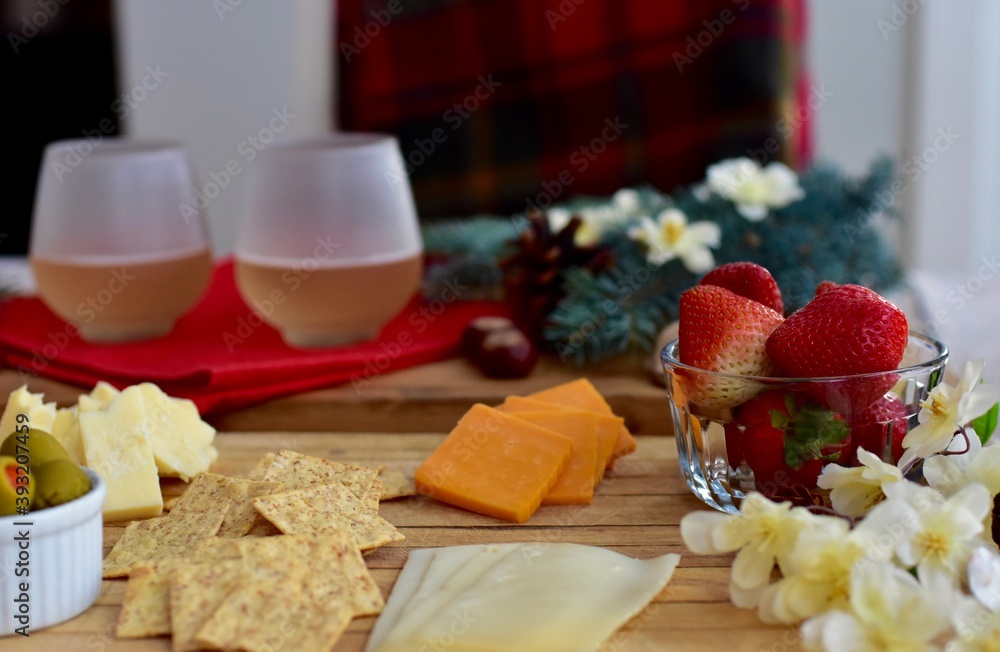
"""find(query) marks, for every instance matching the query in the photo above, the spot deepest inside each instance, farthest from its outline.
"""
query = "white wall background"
(920, 80)
(225, 68)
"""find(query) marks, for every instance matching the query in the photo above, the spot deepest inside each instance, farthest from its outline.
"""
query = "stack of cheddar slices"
(548, 448)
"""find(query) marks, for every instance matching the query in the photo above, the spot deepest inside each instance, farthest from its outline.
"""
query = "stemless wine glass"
(329, 248)
(117, 246)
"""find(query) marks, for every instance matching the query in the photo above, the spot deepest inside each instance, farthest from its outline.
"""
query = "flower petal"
(752, 567)
(697, 531)
(752, 212)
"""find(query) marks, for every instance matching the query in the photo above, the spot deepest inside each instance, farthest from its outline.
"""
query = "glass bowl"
(737, 434)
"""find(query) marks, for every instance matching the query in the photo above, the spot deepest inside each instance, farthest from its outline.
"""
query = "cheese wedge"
(582, 394)
(608, 427)
(66, 429)
(558, 597)
(103, 393)
(115, 445)
(40, 415)
(180, 440)
(495, 464)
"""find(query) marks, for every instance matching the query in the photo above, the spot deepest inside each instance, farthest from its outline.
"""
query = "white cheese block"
(66, 429)
(40, 415)
(181, 441)
(547, 596)
(103, 393)
(116, 446)
(87, 404)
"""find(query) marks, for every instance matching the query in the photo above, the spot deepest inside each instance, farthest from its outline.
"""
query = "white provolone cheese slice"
(451, 571)
(545, 597)
(406, 585)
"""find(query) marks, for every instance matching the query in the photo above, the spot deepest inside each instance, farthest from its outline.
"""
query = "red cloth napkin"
(221, 356)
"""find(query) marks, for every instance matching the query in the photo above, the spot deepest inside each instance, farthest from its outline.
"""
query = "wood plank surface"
(427, 398)
(636, 512)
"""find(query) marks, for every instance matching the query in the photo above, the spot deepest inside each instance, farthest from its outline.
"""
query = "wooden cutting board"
(427, 398)
(636, 512)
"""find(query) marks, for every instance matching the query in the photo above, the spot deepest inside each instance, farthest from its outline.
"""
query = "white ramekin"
(62, 564)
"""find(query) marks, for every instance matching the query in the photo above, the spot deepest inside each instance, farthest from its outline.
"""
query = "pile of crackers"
(272, 561)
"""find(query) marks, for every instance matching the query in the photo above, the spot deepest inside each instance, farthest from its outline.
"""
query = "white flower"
(595, 221)
(753, 189)
(626, 201)
(952, 473)
(854, 491)
(935, 536)
(889, 611)
(670, 236)
(978, 629)
(816, 575)
(947, 409)
(949, 473)
(764, 532)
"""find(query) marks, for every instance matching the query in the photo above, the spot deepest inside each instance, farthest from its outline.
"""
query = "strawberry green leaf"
(987, 423)
(811, 431)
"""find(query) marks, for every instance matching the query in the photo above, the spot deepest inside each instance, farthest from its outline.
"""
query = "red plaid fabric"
(500, 104)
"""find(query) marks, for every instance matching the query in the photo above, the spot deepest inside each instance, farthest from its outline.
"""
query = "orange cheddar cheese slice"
(576, 484)
(495, 464)
(608, 428)
(582, 394)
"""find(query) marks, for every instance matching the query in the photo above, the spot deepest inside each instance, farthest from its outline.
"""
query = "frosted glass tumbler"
(329, 246)
(117, 246)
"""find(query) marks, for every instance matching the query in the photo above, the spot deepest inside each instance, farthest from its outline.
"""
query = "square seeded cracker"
(396, 484)
(298, 471)
(210, 490)
(259, 469)
(325, 508)
(160, 539)
(145, 608)
(252, 616)
(196, 590)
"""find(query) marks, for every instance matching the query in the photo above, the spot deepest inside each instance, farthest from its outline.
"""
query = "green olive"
(39, 447)
(12, 476)
(58, 482)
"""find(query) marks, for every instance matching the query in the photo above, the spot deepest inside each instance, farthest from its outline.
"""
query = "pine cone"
(533, 274)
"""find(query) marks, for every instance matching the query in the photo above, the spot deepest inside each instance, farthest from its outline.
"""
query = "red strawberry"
(748, 280)
(787, 441)
(845, 330)
(823, 287)
(883, 423)
(724, 332)
(848, 329)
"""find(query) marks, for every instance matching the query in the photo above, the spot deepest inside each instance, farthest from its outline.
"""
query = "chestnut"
(498, 348)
